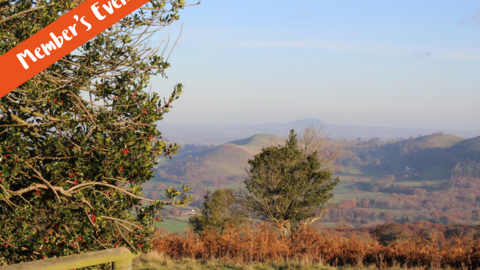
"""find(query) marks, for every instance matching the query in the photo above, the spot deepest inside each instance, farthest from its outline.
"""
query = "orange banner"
(60, 38)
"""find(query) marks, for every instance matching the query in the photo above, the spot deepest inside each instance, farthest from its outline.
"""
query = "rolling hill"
(225, 162)
(431, 157)
(219, 134)
(230, 159)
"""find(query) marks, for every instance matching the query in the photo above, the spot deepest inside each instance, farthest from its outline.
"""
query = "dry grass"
(308, 248)
(157, 261)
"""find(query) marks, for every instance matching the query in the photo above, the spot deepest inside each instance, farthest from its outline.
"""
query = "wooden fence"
(120, 257)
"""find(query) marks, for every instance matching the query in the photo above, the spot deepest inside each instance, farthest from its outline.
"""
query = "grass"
(156, 261)
(352, 170)
(364, 195)
(341, 188)
(437, 173)
(255, 143)
(172, 226)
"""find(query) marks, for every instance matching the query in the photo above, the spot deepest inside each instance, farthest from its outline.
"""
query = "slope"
(211, 167)
(230, 159)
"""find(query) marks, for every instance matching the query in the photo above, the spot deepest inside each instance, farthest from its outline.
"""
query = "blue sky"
(377, 63)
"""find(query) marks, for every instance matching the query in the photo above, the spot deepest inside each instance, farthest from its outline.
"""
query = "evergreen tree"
(218, 210)
(286, 187)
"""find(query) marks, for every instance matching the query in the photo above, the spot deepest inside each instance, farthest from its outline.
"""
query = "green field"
(364, 195)
(171, 225)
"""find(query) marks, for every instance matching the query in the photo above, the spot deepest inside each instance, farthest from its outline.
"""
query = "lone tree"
(286, 187)
(219, 209)
(78, 139)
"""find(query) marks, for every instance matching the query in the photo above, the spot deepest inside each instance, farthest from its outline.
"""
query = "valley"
(432, 177)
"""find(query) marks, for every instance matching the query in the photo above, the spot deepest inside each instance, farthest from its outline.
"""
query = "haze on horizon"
(410, 64)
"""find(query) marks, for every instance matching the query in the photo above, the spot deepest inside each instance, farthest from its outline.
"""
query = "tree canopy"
(218, 209)
(287, 187)
(79, 139)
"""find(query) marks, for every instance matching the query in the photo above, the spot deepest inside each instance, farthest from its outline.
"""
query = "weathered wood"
(123, 265)
(122, 257)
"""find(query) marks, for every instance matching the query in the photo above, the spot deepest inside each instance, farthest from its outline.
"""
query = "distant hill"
(467, 155)
(441, 141)
(431, 157)
(467, 150)
(255, 143)
(225, 162)
(220, 134)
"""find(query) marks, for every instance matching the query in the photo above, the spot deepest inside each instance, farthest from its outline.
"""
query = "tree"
(219, 209)
(286, 187)
(313, 138)
(78, 139)
(388, 217)
(390, 232)
(365, 203)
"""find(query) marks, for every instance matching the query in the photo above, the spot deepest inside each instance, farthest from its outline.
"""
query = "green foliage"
(218, 210)
(78, 139)
(390, 232)
(287, 187)
(467, 153)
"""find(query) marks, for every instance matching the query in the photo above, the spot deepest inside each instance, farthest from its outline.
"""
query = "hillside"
(434, 177)
(442, 141)
(467, 150)
(467, 155)
(220, 165)
(255, 143)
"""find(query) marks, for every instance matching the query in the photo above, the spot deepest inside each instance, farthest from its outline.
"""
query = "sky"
(412, 64)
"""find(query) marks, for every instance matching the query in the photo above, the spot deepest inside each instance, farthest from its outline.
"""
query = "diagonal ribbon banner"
(60, 38)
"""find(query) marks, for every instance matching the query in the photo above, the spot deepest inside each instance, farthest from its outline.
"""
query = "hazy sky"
(377, 63)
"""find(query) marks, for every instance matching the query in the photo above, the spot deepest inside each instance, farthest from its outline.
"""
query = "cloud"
(421, 55)
(475, 18)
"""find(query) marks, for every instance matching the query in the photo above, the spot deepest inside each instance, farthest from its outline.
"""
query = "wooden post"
(123, 265)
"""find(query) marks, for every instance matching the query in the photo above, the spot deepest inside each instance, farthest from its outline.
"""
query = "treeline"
(442, 207)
